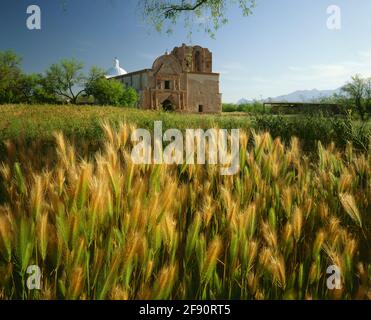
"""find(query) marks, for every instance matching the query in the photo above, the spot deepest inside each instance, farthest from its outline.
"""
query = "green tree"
(106, 92)
(67, 80)
(94, 74)
(209, 14)
(10, 75)
(36, 89)
(368, 96)
(27, 85)
(357, 91)
(33, 89)
(129, 98)
(111, 92)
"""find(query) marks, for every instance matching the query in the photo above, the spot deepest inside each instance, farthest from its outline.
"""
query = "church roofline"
(132, 73)
(205, 73)
(150, 70)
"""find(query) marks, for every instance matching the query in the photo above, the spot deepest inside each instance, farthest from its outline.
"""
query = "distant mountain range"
(298, 96)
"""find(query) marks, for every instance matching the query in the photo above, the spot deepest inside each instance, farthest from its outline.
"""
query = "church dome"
(116, 70)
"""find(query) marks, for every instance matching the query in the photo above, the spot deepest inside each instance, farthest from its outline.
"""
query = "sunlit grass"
(102, 228)
(82, 123)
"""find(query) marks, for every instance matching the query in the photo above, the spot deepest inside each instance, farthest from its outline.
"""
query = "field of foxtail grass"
(103, 228)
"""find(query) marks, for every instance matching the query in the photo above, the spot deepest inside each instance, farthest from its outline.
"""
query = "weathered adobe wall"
(139, 81)
(203, 89)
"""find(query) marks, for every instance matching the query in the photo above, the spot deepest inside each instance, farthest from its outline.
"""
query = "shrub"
(129, 97)
(107, 92)
(112, 92)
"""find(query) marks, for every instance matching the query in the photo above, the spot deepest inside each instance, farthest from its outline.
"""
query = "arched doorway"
(168, 106)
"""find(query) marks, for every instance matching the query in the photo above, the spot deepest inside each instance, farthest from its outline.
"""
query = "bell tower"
(194, 59)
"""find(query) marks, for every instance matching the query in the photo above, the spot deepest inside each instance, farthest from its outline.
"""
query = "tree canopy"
(359, 90)
(64, 77)
(62, 82)
(67, 80)
(208, 14)
(10, 74)
(111, 92)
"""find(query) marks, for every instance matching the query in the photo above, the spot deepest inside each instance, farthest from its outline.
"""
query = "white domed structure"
(116, 70)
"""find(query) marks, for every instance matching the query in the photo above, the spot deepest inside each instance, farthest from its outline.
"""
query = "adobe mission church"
(181, 81)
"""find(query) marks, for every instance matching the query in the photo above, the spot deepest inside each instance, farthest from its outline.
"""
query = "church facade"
(181, 81)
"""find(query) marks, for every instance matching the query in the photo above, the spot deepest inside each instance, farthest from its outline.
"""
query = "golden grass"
(101, 228)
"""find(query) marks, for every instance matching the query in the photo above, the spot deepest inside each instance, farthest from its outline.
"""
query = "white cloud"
(327, 76)
(319, 76)
(330, 71)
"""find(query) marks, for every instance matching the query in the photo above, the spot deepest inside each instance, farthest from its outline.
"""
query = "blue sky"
(284, 46)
